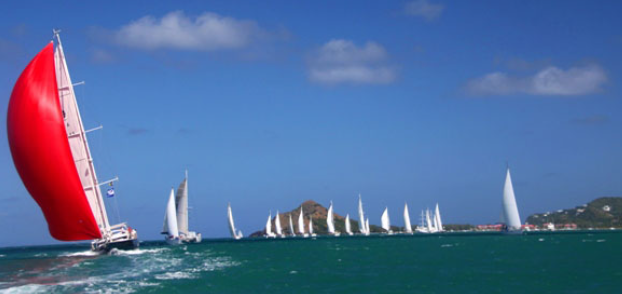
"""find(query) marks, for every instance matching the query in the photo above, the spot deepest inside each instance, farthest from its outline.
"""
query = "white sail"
(277, 224)
(301, 223)
(428, 221)
(329, 219)
(78, 141)
(170, 218)
(234, 234)
(181, 199)
(437, 215)
(386, 223)
(407, 225)
(269, 226)
(362, 218)
(348, 229)
(367, 231)
(291, 225)
(310, 226)
(510, 209)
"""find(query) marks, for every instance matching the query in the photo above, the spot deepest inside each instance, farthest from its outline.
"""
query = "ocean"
(565, 262)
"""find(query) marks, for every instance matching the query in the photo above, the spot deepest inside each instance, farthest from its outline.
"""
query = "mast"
(77, 138)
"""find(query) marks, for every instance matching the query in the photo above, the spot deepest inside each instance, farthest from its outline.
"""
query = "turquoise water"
(588, 262)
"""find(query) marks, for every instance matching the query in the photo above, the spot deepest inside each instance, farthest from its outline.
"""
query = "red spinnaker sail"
(41, 151)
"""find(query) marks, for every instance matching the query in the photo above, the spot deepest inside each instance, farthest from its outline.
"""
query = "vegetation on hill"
(605, 212)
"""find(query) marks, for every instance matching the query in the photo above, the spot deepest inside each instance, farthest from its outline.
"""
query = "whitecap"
(174, 276)
(447, 245)
(30, 288)
(541, 239)
(81, 253)
(293, 272)
(601, 240)
(41, 255)
(115, 251)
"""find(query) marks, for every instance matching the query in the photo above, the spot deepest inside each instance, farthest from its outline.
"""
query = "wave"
(81, 253)
(174, 276)
(115, 251)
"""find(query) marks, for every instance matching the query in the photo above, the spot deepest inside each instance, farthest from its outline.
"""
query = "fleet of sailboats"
(177, 209)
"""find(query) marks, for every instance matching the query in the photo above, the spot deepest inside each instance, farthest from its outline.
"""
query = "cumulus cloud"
(207, 32)
(341, 61)
(548, 81)
(424, 9)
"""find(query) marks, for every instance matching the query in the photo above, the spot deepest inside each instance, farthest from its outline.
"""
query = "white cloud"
(424, 9)
(548, 81)
(341, 61)
(207, 32)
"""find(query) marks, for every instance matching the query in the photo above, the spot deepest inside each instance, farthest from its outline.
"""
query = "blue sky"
(269, 104)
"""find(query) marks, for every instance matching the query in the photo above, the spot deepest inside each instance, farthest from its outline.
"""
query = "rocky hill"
(605, 212)
(318, 213)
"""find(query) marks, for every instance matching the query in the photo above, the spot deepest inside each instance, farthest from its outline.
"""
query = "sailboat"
(235, 234)
(429, 223)
(330, 221)
(170, 229)
(277, 224)
(384, 220)
(269, 233)
(437, 216)
(510, 216)
(51, 153)
(362, 226)
(181, 201)
(407, 227)
(422, 228)
(367, 227)
(348, 228)
(311, 227)
(291, 226)
(301, 224)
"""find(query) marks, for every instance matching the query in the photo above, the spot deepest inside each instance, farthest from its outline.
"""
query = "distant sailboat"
(311, 227)
(422, 228)
(291, 226)
(277, 224)
(362, 226)
(51, 153)
(348, 229)
(386, 223)
(170, 229)
(235, 234)
(269, 233)
(367, 227)
(330, 221)
(510, 215)
(181, 202)
(407, 227)
(301, 224)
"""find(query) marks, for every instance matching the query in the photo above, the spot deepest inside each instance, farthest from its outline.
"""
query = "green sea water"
(577, 262)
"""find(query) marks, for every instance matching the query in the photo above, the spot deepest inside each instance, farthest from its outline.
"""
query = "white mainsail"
(428, 221)
(510, 209)
(311, 227)
(362, 218)
(234, 234)
(348, 229)
(367, 231)
(78, 141)
(407, 225)
(269, 226)
(386, 223)
(437, 216)
(277, 224)
(301, 223)
(181, 200)
(329, 219)
(170, 218)
(291, 225)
